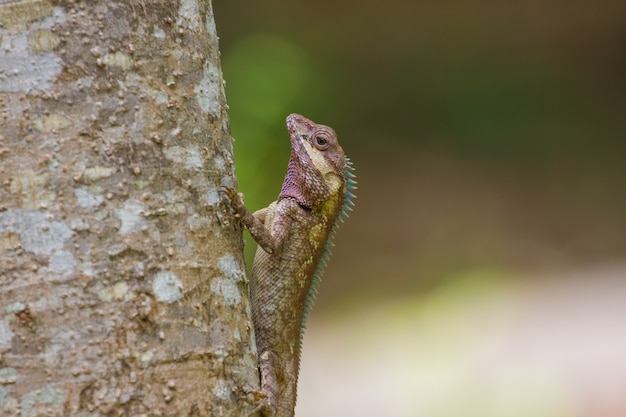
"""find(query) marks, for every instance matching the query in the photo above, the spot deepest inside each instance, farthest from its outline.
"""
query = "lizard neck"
(308, 188)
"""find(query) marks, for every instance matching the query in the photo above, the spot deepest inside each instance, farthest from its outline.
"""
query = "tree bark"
(122, 284)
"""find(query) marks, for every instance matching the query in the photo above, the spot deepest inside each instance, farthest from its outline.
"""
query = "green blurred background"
(489, 141)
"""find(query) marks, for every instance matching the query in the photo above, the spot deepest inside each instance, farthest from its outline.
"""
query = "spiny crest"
(346, 206)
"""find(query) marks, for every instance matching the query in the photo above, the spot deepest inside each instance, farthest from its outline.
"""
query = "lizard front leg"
(254, 222)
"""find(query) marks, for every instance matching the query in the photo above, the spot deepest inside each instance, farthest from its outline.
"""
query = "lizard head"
(317, 167)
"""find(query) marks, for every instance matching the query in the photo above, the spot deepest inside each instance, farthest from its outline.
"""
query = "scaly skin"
(293, 234)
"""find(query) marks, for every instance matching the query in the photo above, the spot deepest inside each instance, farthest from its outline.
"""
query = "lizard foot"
(264, 409)
(234, 198)
(263, 406)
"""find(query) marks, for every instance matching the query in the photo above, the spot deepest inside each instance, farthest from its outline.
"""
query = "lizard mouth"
(300, 129)
(299, 126)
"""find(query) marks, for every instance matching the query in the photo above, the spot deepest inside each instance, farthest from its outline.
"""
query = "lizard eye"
(321, 142)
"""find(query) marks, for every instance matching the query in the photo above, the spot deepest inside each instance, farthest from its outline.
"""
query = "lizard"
(294, 236)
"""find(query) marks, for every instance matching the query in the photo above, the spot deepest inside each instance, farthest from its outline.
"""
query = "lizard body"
(293, 234)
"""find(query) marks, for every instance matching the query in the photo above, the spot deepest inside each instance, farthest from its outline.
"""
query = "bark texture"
(122, 285)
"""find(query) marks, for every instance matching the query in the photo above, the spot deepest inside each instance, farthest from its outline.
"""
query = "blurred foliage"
(495, 130)
(267, 78)
(495, 80)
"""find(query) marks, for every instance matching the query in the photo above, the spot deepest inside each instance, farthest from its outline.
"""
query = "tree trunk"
(122, 284)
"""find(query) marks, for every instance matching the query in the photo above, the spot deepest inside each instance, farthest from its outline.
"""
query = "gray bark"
(122, 284)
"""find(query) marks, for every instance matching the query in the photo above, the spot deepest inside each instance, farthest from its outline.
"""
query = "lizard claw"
(262, 405)
(235, 199)
(264, 409)
(231, 193)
